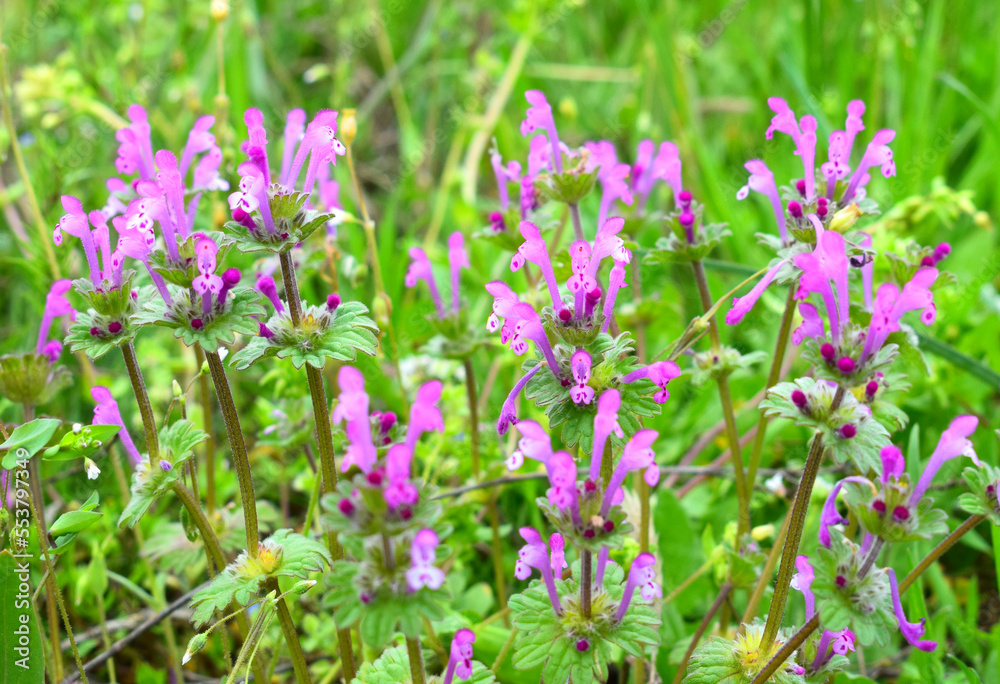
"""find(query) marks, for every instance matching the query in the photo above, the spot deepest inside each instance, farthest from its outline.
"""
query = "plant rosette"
(709, 365)
(283, 554)
(193, 325)
(678, 247)
(379, 595)
(841, 363)
(612, 358)
(849, 432)
(982, 497)
(150, 481)
(358, 509)
(569, 187)
(571, 647)
(294, 222)
(110, 322)
(887, 512)
(324, 332)
(393, 667)
(31, 379)
(721, 661)
(846, 600)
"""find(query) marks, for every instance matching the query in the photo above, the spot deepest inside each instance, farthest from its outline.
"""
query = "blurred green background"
(435, 82)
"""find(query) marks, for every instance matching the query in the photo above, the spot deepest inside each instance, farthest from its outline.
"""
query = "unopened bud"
(382, 310)
(762, 532)
(302, 587)
(178, 392)
(348, 126)
(845, 218)
(197, 643)
(219, 10)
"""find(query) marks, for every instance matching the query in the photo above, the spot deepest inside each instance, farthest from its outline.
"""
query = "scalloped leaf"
(220, 329)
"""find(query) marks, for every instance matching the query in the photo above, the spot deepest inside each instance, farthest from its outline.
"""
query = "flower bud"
(114, 327)
(382, 310)
(348, 127)
(197, 643)
(827, 351)
(846, 365)
(845, 218)
(176, 386)
(848, 431)
(91, 468)
(219, 10)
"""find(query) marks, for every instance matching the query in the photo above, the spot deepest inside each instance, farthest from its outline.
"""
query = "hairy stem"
(586, 582)
(732, 434)
(787, 650)
(772, 379)
(145, 407)
(940, 550)
(241, 461)
(416, 658)
(574, 211)
(765, 574)
(291, 635)
(206, 419)
(795, 527)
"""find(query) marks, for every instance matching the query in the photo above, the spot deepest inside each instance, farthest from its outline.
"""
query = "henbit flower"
(802, 581)
(539, 115)
(535, 555)
(535, 444)
(352, 407)
(535, 250)
(890, 305)
(611, 175)
(642, 171)
(504, 300)
(420, 269)
(830, 643)
(76, 224)
(893, 463)
(425, 416)
(812, 324)
(423, 553)
(912, 631)
(953, 443)
(660, 372)
(529, 327)
(830, 516)
(136, 239)
(637, 454)
(458, 259)
(804, 139)
(742, 305)
(667, 167)
(579, 284)
(267, 287)
(762, 181)
(135, 153)
(295, 128)
(605, 424)
(460, 656)
(207, 283)
(56, 304)
(828, 262)
(641, 574)
(558, 555)
(877, 153)
(199, 140)
(399, 491)
(504, 174)
(174, 220)
(508, 415)
(608, 244)
(230, 279)
(106, 413)
(581, 393)
(320, 145)
(562, 477)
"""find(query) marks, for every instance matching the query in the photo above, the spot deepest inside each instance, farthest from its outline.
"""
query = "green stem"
(291, 635)
(145, 407)
(241, 461)
(800, 507)
(206, 419)
(940, 550)
(586, 583)
(416, 658)
(787, 650)
(765, 574)
(772, 379)
(574, 212)
(732, 434)
(607, 464)
(324, 438)
(706, 621)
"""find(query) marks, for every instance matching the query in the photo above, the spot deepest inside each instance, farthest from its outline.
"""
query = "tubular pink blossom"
(534, 250)
(562, 477)
(605, 425)
(106, 413)
(539, 115)
(802, 581)
(616, 281)
(460, 657)
(742, 305)
(912, 631)
(508, 416)
(812, 324)
(535, 555)
(422, 572)
(661, 373)
(199, 140)
(762, 181)
(352, 407)
(75, 223)
(267, 287)
(878, 153)
(425, 416)
(295, 128)
(667, 167)
(608, 244)
(457, 260)
(420, 269)
(641, 574)
(135, 153)
(534, 444)
(56, 304)
(953, 443)
(638, 454)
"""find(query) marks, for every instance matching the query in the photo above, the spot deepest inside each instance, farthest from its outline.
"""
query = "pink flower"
(637, 455)
(812, 324)
(954, 442)
(425, 416)
(460, 657)
(802, 581)
(539, 115)
(890, 305)
(828, 262)
(912, 631)
(534, 555)
(534, 444)
(661, 373)
(878, 153)
(535, 251)
(106, 413)
(605, 424)
(352, 407)
(135, 151)
(762, 181)
(422, 572)
(420, 269)
(742, 305)
(641, 574)
(581, 393)
(56, 304)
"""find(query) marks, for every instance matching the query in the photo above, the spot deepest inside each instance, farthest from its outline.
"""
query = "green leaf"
(218, 329)
(27, 440)
(970, 675)
(83, 443)
(74, 521)
(23, 657)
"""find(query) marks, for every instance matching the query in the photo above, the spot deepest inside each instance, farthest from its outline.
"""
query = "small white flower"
(92, 470)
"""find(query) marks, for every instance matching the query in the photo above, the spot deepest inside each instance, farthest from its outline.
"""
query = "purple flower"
(504, 300)
(742, 305)
(399, 491)
(802, 581)
(812, 324)
(611, 175)
(661, 373)
(953, 443)
(352, 407)
(616, 281)
(425, 416)
(207, 283)
(56, 304)
(460, 657)
(608, 244)
(529, 327)
(512, 172)
(423, 553)
(534, 555)
(637, 454)
(912, 631)
(605, 424)
(581, 393)
(539, 115)
(135, 151)
(762, 181)
(562, 478)
(833, 642)
(295, 128)
(830, 516)
(420, 269)
(804, 139)
(75, 223)
(534, 250)
(267, 287)
(106, 413)
(457, 260)
(535, 444)
(893, 463)
(667, 167)
(890, 305)
(558, 556)
(641, 574)
(878, 154)
(824, 264)
(199, 140)
(508, 415)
